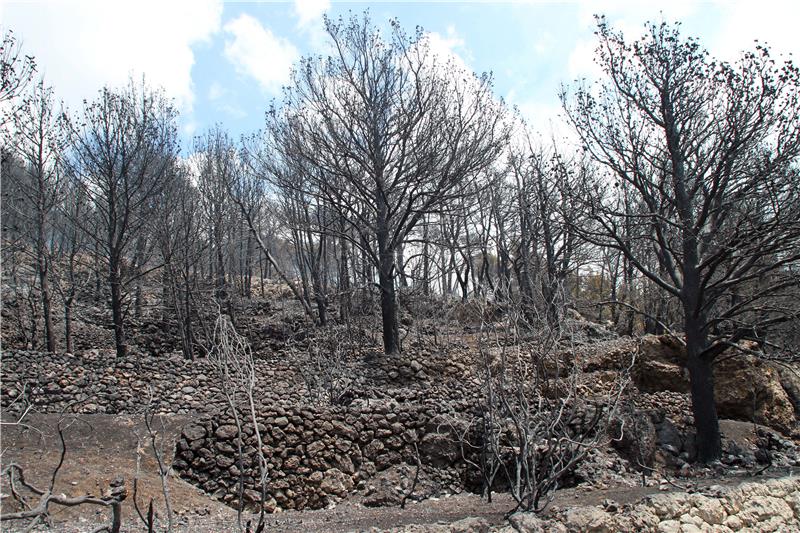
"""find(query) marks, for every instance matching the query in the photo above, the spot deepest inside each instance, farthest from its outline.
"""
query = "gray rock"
(194, 432)
(226, 432)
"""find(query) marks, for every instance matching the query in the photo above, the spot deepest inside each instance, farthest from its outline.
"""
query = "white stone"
(669, 526)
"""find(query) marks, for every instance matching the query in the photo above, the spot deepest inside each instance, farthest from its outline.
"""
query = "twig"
(416, 478)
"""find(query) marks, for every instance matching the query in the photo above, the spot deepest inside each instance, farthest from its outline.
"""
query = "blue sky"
(225, 62)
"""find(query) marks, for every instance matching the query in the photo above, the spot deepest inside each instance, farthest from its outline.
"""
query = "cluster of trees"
(388, 172)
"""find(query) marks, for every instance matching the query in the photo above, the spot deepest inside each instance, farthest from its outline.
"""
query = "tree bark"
(345, 300)
(386, 272)
(68, 323)
(389, 311)
(115, 283)
(706, 423)
(44, 279)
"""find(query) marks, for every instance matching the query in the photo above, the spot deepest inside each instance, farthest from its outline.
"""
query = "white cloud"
(310, 23)
(630, 15)
(216, 91)
(255, 51)
(233, 111)
(627, 16)
(581, 63)
(450, 46)
(772, 23)
(545, 118)
(309, 12)
(82, 46)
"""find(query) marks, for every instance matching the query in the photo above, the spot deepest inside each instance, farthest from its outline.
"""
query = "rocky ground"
(354, 477)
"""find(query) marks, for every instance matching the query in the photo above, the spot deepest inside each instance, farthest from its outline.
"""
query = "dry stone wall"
(95, 381)
(316, 455)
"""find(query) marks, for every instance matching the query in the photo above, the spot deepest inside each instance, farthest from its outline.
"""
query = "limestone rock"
(744, 382)
(470, 525)
(588, 519)
(336, 482)
(741, 382)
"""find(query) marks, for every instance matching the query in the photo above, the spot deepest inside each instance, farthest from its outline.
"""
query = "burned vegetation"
(397, 295)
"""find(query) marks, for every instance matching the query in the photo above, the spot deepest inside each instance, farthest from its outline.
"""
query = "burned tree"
(40, 140)
(386, 131)
(126, 143)
(708, 153)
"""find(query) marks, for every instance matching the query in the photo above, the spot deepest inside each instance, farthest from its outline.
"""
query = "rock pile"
(769, 506)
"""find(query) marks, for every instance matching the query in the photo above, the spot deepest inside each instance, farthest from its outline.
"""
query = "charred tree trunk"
(386, 272)
(68, 323)
(345, 300)
(115, 284)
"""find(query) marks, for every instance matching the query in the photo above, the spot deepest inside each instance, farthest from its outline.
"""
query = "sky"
(225, 62)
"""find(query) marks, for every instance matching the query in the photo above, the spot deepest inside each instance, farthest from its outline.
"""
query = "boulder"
(470, 525)
(531, 523)
(668, 437)
(438, 450)
(746, 387)
(789, 374)
(336, 482)
(660, 365)
(589, 519)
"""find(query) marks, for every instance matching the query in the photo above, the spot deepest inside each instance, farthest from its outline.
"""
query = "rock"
(744, 382)
(741, 381)
(588, 519)
(668, 437)
(336, 482)
(634, 435)
(252, 496)
(734, 522)
(710, 511)
(470, 525)
(789, 375)
(668, 506)
(438, 450)
(531, 523)
(762, 508)
(226, 432)
(223, 461)
(659, 365)
(669, 526)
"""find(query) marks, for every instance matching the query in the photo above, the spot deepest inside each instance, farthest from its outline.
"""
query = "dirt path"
(99, 448)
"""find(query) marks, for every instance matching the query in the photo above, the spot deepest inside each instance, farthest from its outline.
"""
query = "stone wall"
(96, 382)
(316, 455)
